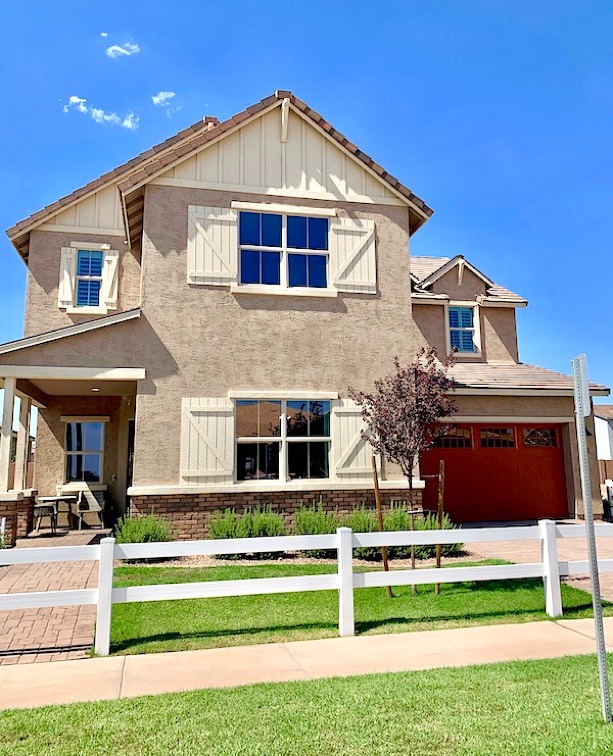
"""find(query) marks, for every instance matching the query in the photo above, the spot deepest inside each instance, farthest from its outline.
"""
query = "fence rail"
(344, 580)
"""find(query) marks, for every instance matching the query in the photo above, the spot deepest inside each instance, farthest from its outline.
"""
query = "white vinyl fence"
(344, 580)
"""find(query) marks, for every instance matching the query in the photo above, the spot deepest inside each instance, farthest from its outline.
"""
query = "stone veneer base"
(19, 514)
(189, 513)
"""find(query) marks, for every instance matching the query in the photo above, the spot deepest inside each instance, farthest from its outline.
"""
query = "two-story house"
(195, 316)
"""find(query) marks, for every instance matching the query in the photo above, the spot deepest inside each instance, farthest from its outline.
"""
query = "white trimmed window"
(88, 278)
(260, 248)
(463, 332)
(84, 451)
(282, 439)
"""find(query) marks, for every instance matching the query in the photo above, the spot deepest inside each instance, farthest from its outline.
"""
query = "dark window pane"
(257, 461)
(95, 263)
(308, 418)
(73, 467)
(250, 267)
(318, 233)
(74, 437)
(317, 271)
(497, 438)
(307, 460)
(271, 230)
(271, 267)
(83, 467)
(250, 228)
(91, 467)
(468, 344)
(297, 270)
(92, 436)
(296, 231)
(540, 437)
(88, 293)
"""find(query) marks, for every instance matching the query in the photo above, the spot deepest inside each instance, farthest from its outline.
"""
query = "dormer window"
(463, 329)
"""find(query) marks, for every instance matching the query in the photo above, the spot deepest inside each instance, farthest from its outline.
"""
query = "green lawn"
(205, 623)
(531, 708)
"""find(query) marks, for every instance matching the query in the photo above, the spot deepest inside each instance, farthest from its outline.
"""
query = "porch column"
(23, 444)
(6, 432)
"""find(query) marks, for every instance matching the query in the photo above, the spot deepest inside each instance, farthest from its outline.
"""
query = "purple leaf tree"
(403, 412)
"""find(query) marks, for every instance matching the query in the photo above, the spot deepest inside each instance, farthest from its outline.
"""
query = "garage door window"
(540, 437)
(497, 438)
(454, 438)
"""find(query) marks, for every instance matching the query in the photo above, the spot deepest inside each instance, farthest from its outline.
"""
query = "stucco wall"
(472, 286)
(221, 341)
(42, 313)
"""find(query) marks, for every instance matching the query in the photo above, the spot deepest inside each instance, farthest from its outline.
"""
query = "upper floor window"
(88, 278)
(462, 329)
(289, 251)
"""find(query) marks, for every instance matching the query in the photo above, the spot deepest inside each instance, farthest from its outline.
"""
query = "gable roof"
(605, 411)
(134, 172)
(426, 270)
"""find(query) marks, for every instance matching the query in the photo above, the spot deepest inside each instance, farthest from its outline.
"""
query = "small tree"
(404, 410)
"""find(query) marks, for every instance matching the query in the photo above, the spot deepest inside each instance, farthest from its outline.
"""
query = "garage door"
(499, 472)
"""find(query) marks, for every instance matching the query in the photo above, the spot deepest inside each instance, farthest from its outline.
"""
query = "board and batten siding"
(255, 159)
(100, 212)
(208, 443)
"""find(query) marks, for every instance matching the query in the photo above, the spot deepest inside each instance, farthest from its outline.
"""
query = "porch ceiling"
(59, 387)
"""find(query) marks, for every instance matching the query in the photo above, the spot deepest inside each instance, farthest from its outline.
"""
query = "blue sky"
(498, 114)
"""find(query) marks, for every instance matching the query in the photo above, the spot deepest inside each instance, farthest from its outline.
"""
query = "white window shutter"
(68, 273)
(351, 452)
(110, 279)
(207, 441)
(353, 266)
(212, 245)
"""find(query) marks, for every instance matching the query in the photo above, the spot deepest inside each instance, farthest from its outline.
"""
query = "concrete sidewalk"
(110, 678)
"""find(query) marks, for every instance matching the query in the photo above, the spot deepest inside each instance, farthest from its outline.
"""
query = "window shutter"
(68, 272)
(207, 441)
(212, 245)
(110, 279)
(352, 255)
(351, 453)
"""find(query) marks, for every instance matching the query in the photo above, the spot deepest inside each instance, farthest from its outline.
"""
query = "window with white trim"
(84, 452)
(88, 281)
(289, 251)
(462, 329)
(279, 439)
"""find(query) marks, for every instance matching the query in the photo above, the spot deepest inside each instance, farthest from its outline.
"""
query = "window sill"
(87, 310)
(75, 487)
(278, 291)
(468, 355)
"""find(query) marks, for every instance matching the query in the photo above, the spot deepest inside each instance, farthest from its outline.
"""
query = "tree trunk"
(413, 587)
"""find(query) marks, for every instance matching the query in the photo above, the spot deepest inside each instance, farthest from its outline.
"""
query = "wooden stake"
(379, 511)
(412, 516)
(439, 516)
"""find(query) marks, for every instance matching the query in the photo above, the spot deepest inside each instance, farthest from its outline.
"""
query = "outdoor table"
(52, 503)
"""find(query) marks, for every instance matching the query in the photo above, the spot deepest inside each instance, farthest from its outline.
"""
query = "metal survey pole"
(582, 410)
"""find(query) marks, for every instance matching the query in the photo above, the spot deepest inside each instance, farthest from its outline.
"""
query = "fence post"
(346, 622)
(105, 587)
(551, 568)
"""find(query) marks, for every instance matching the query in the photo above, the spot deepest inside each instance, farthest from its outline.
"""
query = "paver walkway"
(50, 633)
(116, 677)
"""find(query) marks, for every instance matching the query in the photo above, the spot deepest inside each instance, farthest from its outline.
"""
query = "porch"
(85, 431)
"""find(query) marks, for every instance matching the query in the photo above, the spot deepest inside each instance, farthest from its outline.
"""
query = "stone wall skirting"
(19, 514)
(189, 513)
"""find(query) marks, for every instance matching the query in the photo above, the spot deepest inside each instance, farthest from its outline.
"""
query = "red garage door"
(499, 472)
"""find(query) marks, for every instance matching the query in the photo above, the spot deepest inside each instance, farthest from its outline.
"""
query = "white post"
(6, 432)
(551, 568)
(23, 444)
(105, 597)
(346, 622)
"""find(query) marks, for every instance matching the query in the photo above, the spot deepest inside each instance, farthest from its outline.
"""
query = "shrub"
(363, 520)
(142, 529)
(429, 522)
(314, 520)
(253, 523)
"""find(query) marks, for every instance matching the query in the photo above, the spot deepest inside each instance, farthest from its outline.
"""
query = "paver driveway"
(50, 633)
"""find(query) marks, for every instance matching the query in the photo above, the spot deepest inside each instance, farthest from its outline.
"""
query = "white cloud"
(104, 34)
(162, 98)
(125, 50)
(78, 103)
(129, 121)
